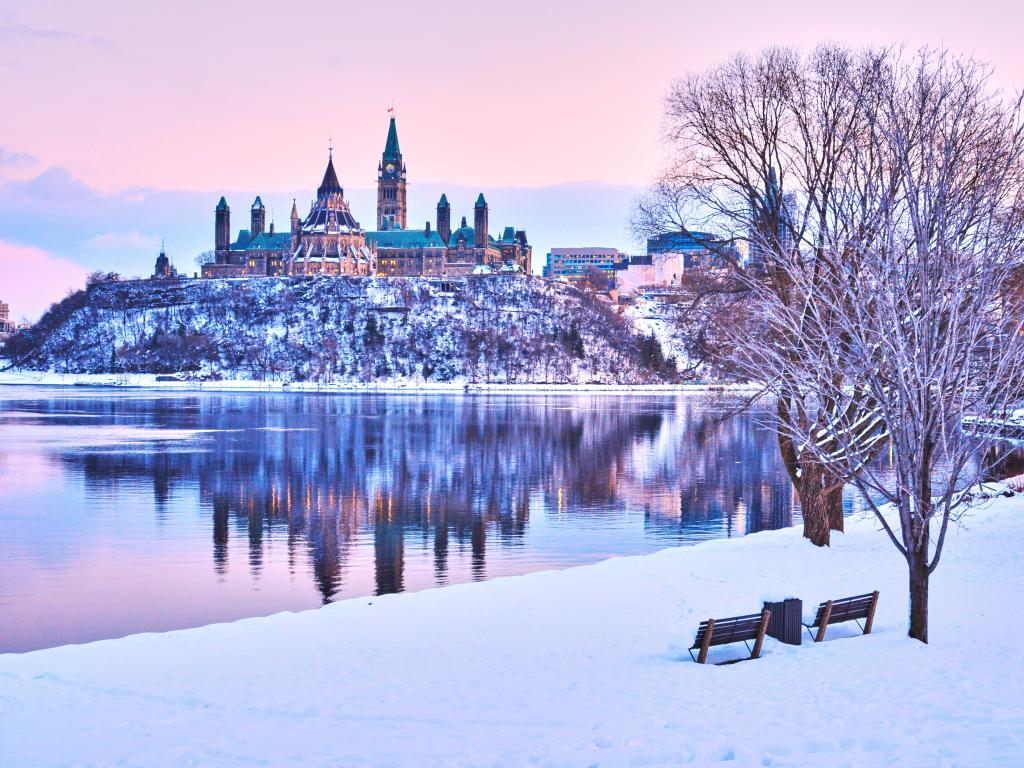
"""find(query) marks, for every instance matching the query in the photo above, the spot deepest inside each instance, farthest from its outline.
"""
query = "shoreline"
(168, 383)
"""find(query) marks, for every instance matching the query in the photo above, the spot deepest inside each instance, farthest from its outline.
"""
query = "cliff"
(325, 329)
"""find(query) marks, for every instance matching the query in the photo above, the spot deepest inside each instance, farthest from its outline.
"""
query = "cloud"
(32, 279)
(120, 231)
(23, 33)
(9, 159)
(122, 241)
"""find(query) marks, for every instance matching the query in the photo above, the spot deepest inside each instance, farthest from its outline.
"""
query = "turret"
(444, 218)
(222, 231)
(295, 218)
(258, 218)
(480, 222)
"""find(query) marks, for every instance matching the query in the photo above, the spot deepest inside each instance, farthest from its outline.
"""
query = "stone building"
(253, 251)
(439, 252)
(391, 201)
(6, 326)
(163, 269)
(330, 241)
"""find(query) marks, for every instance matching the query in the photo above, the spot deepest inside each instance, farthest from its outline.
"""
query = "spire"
(295, 209)
(223, 204)
(463, 222)
(480, 202)
(443, 202)
(391, 150)
(330, 183)
(257, 203)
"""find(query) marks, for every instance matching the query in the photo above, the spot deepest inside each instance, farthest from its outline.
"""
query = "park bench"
(848, 609)
(733, 630)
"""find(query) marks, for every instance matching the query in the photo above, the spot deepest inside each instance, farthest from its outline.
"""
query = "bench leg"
(825, 616)
(871, 613)
(703, 656)
(765, 615)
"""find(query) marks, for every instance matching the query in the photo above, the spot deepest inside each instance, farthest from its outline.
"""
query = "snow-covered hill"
(486, 329)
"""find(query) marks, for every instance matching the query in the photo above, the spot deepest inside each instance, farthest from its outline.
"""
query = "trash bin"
(786, 621)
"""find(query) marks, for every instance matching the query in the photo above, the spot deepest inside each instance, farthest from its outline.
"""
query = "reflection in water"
(366, 494)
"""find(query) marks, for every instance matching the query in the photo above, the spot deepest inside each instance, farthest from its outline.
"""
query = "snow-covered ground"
(153, 381)
(583, 667)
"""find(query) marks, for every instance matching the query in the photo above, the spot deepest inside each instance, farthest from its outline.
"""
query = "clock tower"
(391, 207)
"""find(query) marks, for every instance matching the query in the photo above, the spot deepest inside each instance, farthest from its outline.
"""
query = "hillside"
(330, 330)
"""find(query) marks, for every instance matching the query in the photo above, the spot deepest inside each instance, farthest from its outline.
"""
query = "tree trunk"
(814, 503)
(918, 563)
(835, 509)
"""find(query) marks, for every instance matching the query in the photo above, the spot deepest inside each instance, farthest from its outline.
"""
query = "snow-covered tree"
(762, 154)
(915, 315)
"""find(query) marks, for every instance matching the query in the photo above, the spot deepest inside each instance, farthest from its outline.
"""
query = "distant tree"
(98, 277)
(204, 258)
(595, 280)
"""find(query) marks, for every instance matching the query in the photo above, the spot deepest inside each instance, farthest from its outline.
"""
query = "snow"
(184, 383)
(582, 667)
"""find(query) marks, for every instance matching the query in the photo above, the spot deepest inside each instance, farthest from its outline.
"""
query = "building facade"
(439, 251)
(330, 241)
(392, 208)
(6, 326)
(575, 264)
(163, 269)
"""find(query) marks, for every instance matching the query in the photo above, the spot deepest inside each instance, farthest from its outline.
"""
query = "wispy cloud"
(122, 241)
(24, 33)
(9, 159)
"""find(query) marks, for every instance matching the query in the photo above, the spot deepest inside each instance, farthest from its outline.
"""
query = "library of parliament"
(329, 240)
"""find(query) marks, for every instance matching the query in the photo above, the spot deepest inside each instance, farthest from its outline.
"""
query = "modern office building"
(574, 264)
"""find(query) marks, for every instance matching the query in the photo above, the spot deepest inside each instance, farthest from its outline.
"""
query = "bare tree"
(763, 152)
(918, 332)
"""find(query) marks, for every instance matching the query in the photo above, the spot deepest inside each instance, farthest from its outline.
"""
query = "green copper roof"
(391, 150)
(468, 232)
(223, 204)
(443, 202)
(509, 235)
(480, 202)
(405, 238)
(242, 241)
(257, 203)
(279, 241)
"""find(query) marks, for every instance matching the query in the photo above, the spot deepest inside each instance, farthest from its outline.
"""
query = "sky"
(124, 121)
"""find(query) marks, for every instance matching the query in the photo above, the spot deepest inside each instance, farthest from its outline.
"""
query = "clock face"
(390, 168)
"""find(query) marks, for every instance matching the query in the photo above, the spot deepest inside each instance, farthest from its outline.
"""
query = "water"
(124, 512)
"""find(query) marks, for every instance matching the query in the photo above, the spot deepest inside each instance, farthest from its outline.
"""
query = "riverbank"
(586, 666)
(154, 381)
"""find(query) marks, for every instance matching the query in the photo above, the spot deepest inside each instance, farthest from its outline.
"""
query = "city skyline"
(557, 122)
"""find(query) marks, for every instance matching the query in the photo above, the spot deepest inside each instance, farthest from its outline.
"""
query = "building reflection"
(335, 477)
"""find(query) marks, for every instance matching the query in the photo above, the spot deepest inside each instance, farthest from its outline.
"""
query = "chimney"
(427, 230)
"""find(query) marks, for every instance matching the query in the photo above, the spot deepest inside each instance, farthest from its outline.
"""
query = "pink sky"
(200, 95)
(213, 97)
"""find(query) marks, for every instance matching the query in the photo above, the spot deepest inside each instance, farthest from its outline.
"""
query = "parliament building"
(329, 240)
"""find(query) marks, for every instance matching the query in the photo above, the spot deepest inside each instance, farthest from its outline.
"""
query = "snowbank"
(153, 381)
(580, 667)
